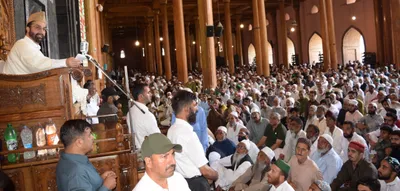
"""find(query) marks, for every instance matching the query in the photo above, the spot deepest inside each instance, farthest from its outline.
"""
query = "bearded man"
(232, 167)
(255, 178)
(25, 56)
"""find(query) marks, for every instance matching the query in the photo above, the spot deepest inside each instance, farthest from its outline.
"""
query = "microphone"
(84, 47)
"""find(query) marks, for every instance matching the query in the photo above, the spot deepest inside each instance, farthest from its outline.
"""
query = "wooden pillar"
(276, 46)
(201, 11)
(298, 33)
(210, 49)
(239, 48)
(228, 28)
(188, 47)
(324, 34)
(257, 38)
(378, 27)
(264, 38)
(167, 51)
(91, 33)
(198, 43)
(146, 48)
(387, 32)
(180, 44)
(331, 34)
(157, 42)
(284, 48)
(150, 30)
(395, 9)
(99, 37)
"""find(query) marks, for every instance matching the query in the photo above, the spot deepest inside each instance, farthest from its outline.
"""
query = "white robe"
(25, 57)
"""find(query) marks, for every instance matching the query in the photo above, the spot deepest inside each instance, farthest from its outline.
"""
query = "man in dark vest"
(232, 167)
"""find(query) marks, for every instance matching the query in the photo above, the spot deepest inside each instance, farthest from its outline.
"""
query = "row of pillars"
(328, 35)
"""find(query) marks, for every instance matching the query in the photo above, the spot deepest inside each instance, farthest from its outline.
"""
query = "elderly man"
(327, 160)
(303, 171)
(223, 146)
(277, 108)
(257, 125)
(234, 125)
(312, 135)
(25, 56)
(274, 135)
(232, 167)
(255, 178)
(295, 132)
(321, 122)
(159, 156)
(388, 173)
(354, 169)
(244, 135)
(278, 175)
(74, 171)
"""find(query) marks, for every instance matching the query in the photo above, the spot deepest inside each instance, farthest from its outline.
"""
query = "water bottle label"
(12, 144)
(28, 146)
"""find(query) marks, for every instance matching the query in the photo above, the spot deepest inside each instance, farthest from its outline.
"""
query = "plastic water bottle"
(26, 136)
(41, 139)
(12, 144)
(51, 135)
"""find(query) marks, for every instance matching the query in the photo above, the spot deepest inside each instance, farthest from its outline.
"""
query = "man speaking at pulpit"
(25, 56)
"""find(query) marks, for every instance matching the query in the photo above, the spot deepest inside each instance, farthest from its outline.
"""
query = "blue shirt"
(200, 127)
(205, 107)
(329, 164)
(75, 172)
(224, 148)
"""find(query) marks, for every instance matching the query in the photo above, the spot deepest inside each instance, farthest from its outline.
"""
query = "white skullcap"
(353, 102)
(213, 157)
(269, 152)
(255, 109)
(223, 129)
(235, 114)
(246, 143)
(250, 98)
(328, 138)
(374, 105)
(188, 90)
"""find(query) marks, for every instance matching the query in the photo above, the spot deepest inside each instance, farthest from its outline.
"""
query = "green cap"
(283, 166)
(158, 143)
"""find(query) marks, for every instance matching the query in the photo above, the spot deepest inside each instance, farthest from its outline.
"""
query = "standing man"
(25, 56)
(158, 153)
(74, 171)
(144, 123)
(191, 163)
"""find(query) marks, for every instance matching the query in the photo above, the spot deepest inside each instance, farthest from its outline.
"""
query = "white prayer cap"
(328, 138)
(223, 129)
(246, 143)
(188, 90)
(214, 156)
(353, 102)
(269, 152)
(255, 109)
(235, 114)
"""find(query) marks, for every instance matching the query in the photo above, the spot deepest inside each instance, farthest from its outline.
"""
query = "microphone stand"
(96, 64)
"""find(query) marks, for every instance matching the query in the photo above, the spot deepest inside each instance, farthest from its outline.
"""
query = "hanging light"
(149, 44)
(161, 39)
(122, 55)
(194, 42)
(353, 18)
(292, 29)
(137, 43)
(241, 25)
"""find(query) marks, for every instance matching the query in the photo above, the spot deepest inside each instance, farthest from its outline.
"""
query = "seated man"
(295, 125)
(234, 125)
(110, 99)
(232, 167)
(354, 169)
(223, 146)
(320, 185)
(244, 135)
(274, 135)
(255, 178)
(388, 174)
(74, 171)
(327, 160)
(303, 171)
(278, 175)
(368, 184)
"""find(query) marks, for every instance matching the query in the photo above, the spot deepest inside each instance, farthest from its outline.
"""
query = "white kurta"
(227, 176)
(175, 183)
(25, 57)
(395, 185)
(283, 187)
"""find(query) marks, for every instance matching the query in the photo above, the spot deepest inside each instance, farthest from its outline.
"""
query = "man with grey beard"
(232, 167)
(255, 177)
